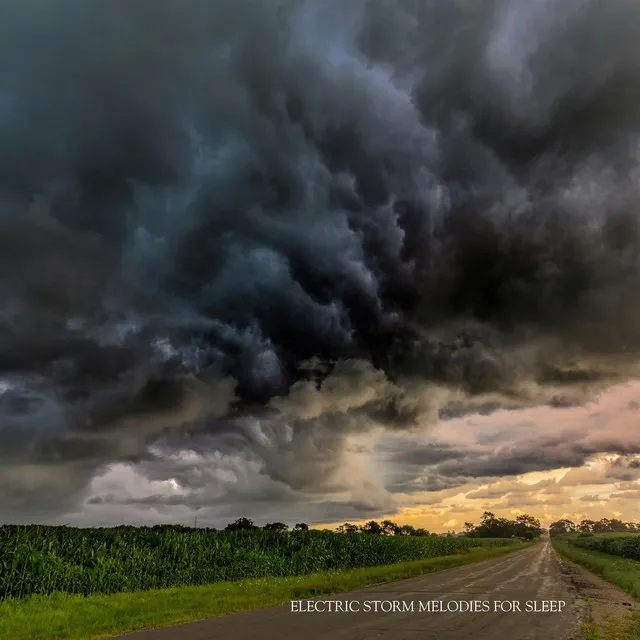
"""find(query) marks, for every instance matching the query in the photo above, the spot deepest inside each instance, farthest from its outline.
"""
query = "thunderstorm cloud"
(240, 238)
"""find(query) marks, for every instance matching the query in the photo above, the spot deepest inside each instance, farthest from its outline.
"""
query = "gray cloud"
(493, 449)
(280, 228)
(591, 499)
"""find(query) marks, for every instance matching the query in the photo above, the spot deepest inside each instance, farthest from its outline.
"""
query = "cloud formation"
(265, 231)
(508, 444)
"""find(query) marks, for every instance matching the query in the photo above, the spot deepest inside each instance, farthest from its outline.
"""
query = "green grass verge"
(612, 627)
(623, 572)
(625, 628)
(73, 617)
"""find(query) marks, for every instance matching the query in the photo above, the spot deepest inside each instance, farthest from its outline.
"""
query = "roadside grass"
(612, 627)
(627, 628)
(623, 572)
(73, 617)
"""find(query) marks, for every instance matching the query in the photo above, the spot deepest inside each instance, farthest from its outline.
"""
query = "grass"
(623, 572)
(612, 627)
(627, 628)
(74, 617)
(590, 631)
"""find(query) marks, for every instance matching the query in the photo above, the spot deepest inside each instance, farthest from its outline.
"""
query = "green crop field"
(624, 545)
(44, 560)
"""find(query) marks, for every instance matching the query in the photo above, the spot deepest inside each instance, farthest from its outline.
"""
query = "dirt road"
(533, 574)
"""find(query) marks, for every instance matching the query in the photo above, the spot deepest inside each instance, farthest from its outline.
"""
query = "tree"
(527, 527)
(422, 532)
(492, 527)
(407, 530)
(563, 526)
(524, 526)
(617, 526)
(275, 526)
(390, 528)
(347, 527)
(601, 526)
(586, 526)
(301, 526)
(372, 527)
(241, 524)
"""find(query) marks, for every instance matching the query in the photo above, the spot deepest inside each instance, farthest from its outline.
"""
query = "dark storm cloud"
(434, 204)
(415, 454)
(538, 454)
(624, 470)
(495, 448)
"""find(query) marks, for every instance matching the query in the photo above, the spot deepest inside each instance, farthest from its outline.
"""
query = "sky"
(547, 462)
(307, 260)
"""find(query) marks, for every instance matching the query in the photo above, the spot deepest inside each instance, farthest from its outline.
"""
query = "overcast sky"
(308, 260)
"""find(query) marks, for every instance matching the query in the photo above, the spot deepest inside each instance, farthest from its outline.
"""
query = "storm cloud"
(499, 448)
(269, 228)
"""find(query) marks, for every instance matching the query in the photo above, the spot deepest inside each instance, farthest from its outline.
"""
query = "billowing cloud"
(508, 444)
(266, 230)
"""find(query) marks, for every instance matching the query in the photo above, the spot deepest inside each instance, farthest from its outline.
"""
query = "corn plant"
(44, 560)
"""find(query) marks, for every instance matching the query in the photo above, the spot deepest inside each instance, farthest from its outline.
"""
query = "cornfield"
(623, 546)
(43, 560)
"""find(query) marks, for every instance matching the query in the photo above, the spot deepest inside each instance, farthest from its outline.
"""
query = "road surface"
(533, 574)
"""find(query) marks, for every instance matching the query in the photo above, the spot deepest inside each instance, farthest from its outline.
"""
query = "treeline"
(384, 528)
(524, 526)
(606, 525)
(241, 524)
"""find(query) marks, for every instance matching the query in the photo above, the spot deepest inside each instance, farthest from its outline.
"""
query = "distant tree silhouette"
(605, 525)
(389, 528)
(562, 526)
(406, 530)
(275, 526)
(169, 527)
(524, 526)
(372, 527)
(241, 524)
(586, 526)
(527, 527)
